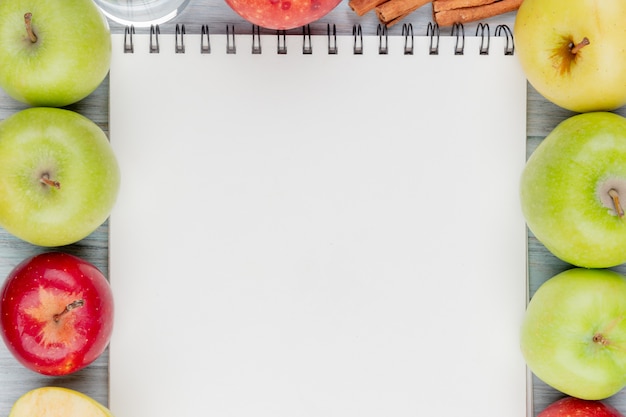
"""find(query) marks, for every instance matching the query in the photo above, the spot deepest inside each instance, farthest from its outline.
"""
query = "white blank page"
(317, 235)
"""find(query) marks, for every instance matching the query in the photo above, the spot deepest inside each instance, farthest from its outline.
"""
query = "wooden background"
(543, 116)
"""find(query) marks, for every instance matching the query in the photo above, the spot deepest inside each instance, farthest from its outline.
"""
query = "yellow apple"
(57, 402)
(573, 51)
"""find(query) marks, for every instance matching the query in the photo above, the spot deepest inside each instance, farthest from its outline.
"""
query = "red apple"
(56, 313)
(575, 407)
(282, 14)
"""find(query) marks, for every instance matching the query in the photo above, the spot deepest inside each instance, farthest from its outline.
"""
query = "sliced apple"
(57, 402)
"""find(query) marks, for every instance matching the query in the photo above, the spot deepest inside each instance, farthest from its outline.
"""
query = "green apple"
(52, 53)
(59, 177)
(573, 335)
(572, 51)
(573, 190)
(57, 402)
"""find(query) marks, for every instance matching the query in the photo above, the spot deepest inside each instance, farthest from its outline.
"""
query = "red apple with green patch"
(56, 313)
(282, 14)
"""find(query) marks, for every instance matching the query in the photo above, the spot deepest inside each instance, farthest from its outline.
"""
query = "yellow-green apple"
(59, 177)
(573, 190)
(56, 313)
(57, 402)
(52, 53)
(572, 51)
(576, 407)
(282, 14)
(573, 334)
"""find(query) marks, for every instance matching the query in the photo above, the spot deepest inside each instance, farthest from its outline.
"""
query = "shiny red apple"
(575, 407)
(282, 14)
(56, 313)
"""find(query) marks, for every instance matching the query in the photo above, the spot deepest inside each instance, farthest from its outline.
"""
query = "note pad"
(317, 234)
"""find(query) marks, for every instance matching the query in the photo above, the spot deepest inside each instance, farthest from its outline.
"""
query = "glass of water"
(141, 13)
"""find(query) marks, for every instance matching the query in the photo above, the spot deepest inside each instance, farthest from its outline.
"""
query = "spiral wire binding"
(281, 45)
(179, 47)
(205, 40)
(154, 39)
(332, 40)
(256, 40)
(231, 48)
(129, 31)
(509, 47)
(432, 31)
(383, 40)
(407, 32)
(484, 39)
(357, 33)
(459, 32)
(307, 46)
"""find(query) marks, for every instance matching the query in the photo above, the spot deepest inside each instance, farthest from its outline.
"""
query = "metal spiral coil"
(432, 33)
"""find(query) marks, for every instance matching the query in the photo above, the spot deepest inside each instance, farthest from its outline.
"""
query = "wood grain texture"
(542, 118)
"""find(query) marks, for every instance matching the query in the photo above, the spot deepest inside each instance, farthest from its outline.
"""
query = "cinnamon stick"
(472, 14)
(440, 5)
(360, 7)
(396, 20)
(391, 11)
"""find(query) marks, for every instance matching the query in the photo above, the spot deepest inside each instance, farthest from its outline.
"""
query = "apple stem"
(29, 27)
(45, 179)
(71, 306)
(575, 48)
(616, 203)
(600, 339)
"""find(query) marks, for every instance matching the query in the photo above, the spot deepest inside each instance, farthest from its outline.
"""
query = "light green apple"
(573, 335)
(572, 51)
(573, 190)
(59, 177)
(52, 53)
(57, 402)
